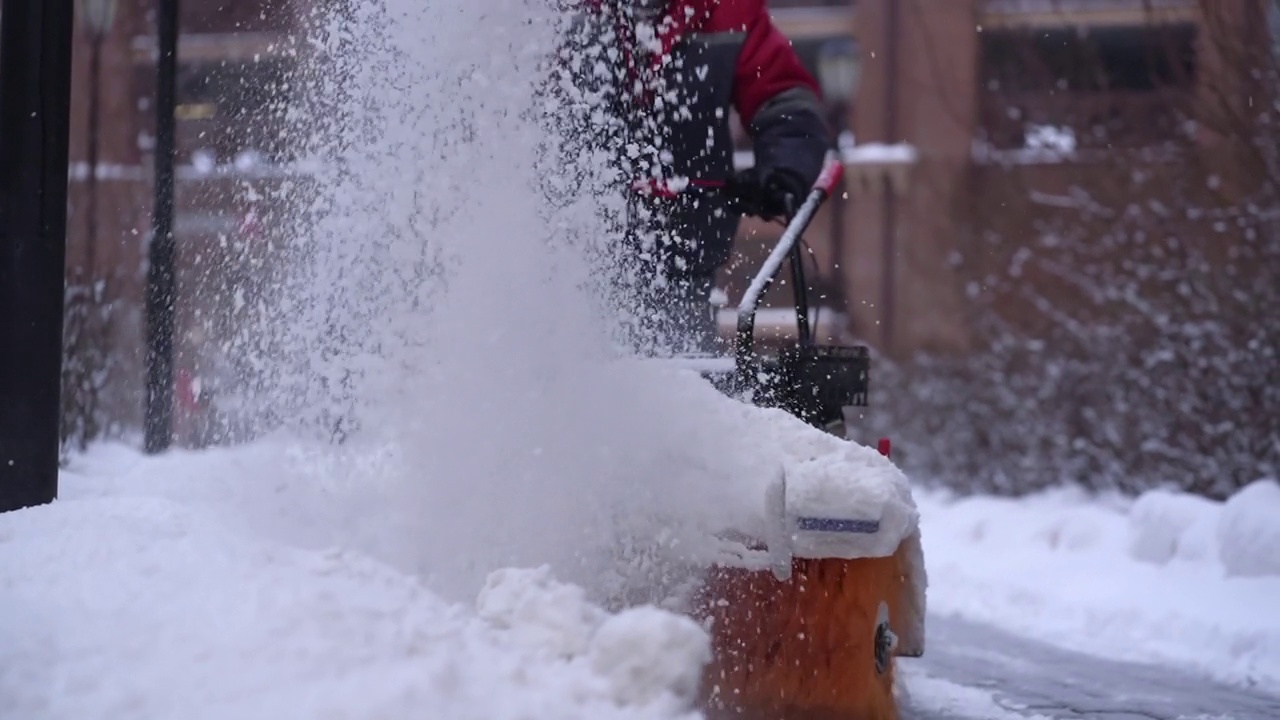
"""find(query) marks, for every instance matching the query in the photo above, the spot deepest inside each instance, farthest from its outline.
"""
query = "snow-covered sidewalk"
(1169, 578)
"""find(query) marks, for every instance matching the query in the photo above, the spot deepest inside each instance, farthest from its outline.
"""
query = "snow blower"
(807, 618)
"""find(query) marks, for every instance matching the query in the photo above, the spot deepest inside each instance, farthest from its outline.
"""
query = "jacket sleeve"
(779, 101)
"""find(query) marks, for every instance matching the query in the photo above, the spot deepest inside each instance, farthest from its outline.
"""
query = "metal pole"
(839, 227)
(161, 277)
(889, 210)
(91, 205)
(35, 105)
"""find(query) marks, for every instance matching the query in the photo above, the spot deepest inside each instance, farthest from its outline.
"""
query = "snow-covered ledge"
(866, 164)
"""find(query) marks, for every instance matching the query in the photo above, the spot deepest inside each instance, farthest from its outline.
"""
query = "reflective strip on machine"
(817, 524)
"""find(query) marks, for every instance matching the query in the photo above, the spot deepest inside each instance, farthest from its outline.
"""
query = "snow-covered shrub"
(1118, 353)
(1126, 334)
(1122, 305)
(1249, 531)
(1164, 525)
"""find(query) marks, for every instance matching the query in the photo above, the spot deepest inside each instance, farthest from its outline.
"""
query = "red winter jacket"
(767, 65)
(710, 56)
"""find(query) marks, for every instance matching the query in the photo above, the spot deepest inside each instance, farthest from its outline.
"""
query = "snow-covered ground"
(206, 585)
(1168, 578)
(271, 580)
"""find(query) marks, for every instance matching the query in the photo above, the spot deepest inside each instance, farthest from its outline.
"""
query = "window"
(229, 107)
(1108, 58)
(225, 16)
(1106, 87)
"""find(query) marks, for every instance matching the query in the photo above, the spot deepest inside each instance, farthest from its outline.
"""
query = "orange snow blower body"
(818, 641)
(819, 645)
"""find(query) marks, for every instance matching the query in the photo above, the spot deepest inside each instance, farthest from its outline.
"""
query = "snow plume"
(423, 232)
(444, 316)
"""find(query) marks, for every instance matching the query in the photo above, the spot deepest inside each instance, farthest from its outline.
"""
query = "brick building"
(232, 57)
(961, 110)
(1005, 105)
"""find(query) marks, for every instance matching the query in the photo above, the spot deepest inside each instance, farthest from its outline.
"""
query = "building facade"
(961, 121)
(972, 118)
(233, 56)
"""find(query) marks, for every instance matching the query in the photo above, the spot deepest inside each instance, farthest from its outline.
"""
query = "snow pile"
(124, 603)
(538, 611)
(1165, 525)
(648, 653)
(649, 656)
(1241, 534)
(1057, 566)
(1249, 531)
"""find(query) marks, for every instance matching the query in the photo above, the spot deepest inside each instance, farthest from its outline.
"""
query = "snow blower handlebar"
(832, 171)
(813, 381)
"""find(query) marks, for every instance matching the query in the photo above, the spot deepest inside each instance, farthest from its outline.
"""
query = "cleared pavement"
(974, 671)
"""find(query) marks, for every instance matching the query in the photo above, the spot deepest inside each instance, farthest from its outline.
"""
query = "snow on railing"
(880, 154)
(869, 165)
(852, 153)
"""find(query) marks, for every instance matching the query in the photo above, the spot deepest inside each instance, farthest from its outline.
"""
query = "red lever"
(832, 171)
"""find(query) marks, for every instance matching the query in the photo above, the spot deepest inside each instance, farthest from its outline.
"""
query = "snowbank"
(1128, 580)
(1241, 534)
(126, 604)
(1249, 531)
(1165, 525)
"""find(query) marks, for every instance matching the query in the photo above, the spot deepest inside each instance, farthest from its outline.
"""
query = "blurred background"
(1059, 230)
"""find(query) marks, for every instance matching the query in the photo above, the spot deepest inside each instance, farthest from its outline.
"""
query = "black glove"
(773, 194)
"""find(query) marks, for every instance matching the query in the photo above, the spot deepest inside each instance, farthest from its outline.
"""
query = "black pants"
(675, 247)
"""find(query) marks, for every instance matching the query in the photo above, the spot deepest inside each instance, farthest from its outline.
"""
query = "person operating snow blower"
(818, 585)
(671, 71)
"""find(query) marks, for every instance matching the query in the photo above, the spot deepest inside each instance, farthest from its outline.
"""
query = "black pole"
(35, 105)
(91, 205)
(889, 210)
(161, 277)
(803, 333)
